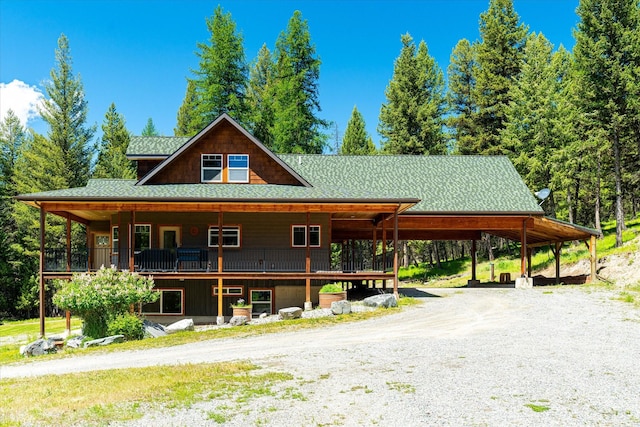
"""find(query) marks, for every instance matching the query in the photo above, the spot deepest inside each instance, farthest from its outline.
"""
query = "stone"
(75, 342)
(382, 300)
(39, 347)
(153, 329)
(524, 282)
(341, 307)
(290, 313)
(113, 339)
(262, 315)
(179, 326)
(238, 320)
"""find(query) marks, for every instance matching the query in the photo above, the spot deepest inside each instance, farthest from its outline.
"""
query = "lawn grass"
(31, 328)
(104, 397)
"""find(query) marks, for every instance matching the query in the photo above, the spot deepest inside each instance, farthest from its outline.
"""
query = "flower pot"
(242, 311)
(326, 298)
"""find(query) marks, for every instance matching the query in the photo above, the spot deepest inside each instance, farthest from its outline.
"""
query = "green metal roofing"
(153, 146)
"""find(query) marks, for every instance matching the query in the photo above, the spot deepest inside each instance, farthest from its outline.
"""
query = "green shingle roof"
(141, 146)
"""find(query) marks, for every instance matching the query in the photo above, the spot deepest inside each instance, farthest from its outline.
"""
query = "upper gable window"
(238, 167)
(211, 168)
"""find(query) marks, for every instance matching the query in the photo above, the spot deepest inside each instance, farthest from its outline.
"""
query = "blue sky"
(138, 54)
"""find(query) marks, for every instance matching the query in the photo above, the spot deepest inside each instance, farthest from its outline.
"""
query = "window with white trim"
(230, 237)
(115, 239)
(299, 236)
(238, 167)
(171, 301)
(211, 168)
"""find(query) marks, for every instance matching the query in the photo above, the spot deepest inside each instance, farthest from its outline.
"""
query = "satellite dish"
(542, 194)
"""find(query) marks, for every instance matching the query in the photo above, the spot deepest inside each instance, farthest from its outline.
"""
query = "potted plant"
(329, 293)
(241, 308)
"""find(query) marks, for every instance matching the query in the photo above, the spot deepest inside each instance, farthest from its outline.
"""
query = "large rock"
(75, 342)
(153, 329)
(113, 339)
(290, 313)
(39, 347)
(238, 320)
(179, 326)
(382, 300)
(341, 307)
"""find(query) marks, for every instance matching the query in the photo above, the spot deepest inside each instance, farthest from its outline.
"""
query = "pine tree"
(66, 114)
(221, 78)
(460, 97)
(499, 56)
(112, 160)
(150, 129)
(187, 114)
(260, 97)
(296, 127)
(411, 122)
(608, 60)
(356, 140)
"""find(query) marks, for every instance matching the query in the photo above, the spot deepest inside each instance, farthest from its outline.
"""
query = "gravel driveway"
(462, 357)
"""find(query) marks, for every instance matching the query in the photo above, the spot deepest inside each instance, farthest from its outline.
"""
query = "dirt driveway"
(462, 357)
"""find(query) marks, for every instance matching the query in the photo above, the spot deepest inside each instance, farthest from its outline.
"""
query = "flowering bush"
(100, 297)
(240, 303)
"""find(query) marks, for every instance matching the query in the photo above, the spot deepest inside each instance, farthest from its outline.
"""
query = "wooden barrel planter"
(326, 298)
(242, 311)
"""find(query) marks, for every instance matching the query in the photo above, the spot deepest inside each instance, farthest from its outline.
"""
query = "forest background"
(568, 120)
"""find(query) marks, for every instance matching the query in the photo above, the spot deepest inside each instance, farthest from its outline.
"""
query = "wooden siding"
(224, 139)
(144, 166)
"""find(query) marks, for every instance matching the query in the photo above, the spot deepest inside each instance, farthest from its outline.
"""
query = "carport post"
(473, 260)
(43, 222)
(593, 258)
(557, 254)
(395, 253)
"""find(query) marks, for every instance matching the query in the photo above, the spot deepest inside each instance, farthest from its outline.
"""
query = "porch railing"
(206, 259)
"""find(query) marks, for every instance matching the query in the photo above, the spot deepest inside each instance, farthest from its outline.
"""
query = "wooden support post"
(523, 248)
(558, 247)
(307, 266)
(384, 252)
(220, 319)
(68, 243)
(395, 253)
(132, 232)
(593, 258)
(473, 260)
(529, 255)
(43, 216)
(374, 247)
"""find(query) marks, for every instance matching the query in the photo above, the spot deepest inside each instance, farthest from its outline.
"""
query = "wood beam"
(395, 255)
(220, 269)
(307, 264)
(556, 253)
(473, 260)
(43, 222)
(593, 258)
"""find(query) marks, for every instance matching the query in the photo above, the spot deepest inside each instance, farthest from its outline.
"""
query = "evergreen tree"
(607, 55)
(222, 75)
(411, 122)
(66, 114)
(260, 96)
(460, 100)
(356, 140)
(187, 114)
(499, 57)
(150, 129)
(295, 127)
(112, 160)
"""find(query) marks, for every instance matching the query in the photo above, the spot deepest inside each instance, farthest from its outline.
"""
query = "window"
(299, 236)
(115, 239)
(171, 301)
(228, 291)
(142, 237)
(230, 237)
(260, 301)
(211, 168)
(238, 165)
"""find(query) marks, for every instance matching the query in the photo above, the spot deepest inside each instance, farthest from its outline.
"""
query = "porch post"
(473, 260)
(395, 254)
(374, 246)
(307, 266)
(593, 258)
(43, 215)
(558, 246)
(220, 318)
(68, 313)
(384, 252)
(132, 231)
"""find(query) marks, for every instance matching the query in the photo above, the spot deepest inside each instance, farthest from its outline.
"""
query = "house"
(218, 217)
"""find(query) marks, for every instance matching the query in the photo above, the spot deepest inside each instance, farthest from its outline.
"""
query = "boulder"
(75, 342)
(382, 300)
(238, 320)
(153, 329)
(341, 307)
(179, 326)
(38, 347)
(105, 341)
(290, 313)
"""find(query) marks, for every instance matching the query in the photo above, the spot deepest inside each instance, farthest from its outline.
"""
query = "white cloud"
(22, 99)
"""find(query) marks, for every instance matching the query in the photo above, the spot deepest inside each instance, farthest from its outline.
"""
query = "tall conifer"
(356, 139)
(112, 160)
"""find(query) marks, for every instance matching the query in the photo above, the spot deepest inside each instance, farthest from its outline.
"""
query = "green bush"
(128, 325)
(331, 288)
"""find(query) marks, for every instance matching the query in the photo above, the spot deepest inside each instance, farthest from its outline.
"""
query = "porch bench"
(192, 255)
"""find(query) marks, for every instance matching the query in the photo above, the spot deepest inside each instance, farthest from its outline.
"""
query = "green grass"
(537, 408)
(105, 397)
(31, 327)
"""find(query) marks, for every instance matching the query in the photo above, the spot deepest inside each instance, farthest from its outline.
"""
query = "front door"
(101, 251)
(170, 237)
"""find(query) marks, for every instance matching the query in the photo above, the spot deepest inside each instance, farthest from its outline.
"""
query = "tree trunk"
(618, 179)
(597, 207)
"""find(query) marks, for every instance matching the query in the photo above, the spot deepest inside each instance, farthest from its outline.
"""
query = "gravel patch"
(541, 357)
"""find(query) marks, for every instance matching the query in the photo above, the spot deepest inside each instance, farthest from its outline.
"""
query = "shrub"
(99, 298)
(129, 325)
(331, 288)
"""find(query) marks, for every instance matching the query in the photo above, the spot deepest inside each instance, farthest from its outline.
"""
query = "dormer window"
(211, 168)
(238, 167)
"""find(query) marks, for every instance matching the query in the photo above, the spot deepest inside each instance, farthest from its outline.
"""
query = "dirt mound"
(621, 269)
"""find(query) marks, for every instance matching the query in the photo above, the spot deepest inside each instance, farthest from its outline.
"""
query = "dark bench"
(197, 256)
